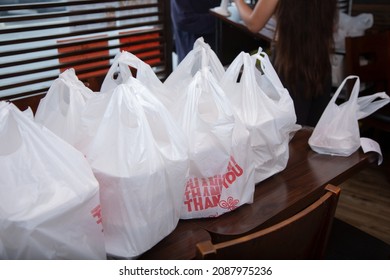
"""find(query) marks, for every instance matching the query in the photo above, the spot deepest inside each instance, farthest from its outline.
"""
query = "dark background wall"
(380, 9)
(371, 1)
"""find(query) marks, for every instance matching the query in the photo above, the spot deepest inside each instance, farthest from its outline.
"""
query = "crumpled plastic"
(351, 26)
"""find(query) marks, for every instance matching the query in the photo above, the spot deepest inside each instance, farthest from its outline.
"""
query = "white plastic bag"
(351, 26)
(265, 107)
(221, 166)
(62, 107)
(199, 57)
(120, 69)
(139, 156)
(337, 131)
(49, 198)
(120, 72)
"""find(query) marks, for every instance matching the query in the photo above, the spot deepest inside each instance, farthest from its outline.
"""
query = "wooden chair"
(302, 236)
(368, 57)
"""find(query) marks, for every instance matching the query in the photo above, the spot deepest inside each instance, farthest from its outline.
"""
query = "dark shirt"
(309, 109)
(191, 19)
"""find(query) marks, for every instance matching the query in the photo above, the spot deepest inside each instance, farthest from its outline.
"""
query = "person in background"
(191, 19)
(302, 47)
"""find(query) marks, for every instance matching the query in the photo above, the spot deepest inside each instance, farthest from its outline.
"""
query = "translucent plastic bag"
(199, 57)
(123, 67)
(62, 107)
(337, 131)
(221, 166)
(139, 156)
(351, 26)
(49, 198)
(120, 72)
(266, 109)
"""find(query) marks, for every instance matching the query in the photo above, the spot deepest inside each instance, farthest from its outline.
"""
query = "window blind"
(42, 38)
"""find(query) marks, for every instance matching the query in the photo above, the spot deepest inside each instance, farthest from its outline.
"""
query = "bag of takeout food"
(49, 197)
(139, 156)
(265, 107)
(221, 166)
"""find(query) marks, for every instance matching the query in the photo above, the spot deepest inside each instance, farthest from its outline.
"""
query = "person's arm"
(256, 19)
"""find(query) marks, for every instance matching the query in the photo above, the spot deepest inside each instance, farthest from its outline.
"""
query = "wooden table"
(276, 198)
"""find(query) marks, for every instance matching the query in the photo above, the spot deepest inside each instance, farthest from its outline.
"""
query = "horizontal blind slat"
(50, 47)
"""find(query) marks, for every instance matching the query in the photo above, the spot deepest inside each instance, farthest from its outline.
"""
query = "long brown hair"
(304, 42)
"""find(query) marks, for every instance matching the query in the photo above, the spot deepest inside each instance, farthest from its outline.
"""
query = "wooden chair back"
(368, 57)
(302, 236)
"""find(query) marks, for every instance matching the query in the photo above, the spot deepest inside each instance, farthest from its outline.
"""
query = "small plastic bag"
(49, 197)
(337, 131)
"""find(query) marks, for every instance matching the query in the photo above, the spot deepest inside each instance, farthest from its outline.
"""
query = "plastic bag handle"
(243, 59)
(367, 104)
(234, 68)
(208, 57)
(109, 83)
(355, 89)
(148, 101)
(121, 62)
(204, 76)
(204, 49)
(129, 59)
(268, 68)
